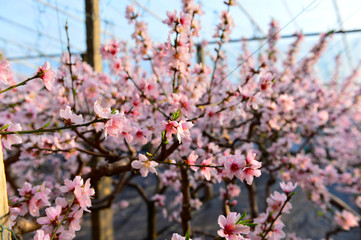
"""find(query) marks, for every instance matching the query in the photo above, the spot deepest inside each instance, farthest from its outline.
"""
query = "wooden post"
(4, 205)
(208, 188)
(92, 20)
(102, 220)
(200, 54)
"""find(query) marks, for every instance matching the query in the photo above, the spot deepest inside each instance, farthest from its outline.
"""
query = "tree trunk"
(252, 199)
(186, 207)
(152, 214)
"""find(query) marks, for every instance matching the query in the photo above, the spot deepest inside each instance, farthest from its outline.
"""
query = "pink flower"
(11, 139)
(116, 66)
(277, 232)
(52, 216)
(114, 125)
(74, 221)
(207, 171)
(183, 130)
(251, 168)
(184, 21)
(266, 79)
(102, 112)
(196, 204)
(159, 200)
(323, 117)
(40, 235)
(34, 197)
(47, 75)
(124, 204)
(191, 160)
(83, 195)
(82, 192)
(288, 187)
(127, 132)
(110, 50)
(176, 236)
(276, 201)
(142, 136)
(15, 212)
(39, 200)
(25, 191)
(233, 166)
(130, 13)
(69, 117)
(233, 190)
(4, 70)
(64, 234)
(59, 201)
(71, 185)
(171, 18)
(230, 230)
(346, 220)
(144, 165)
(170, 127)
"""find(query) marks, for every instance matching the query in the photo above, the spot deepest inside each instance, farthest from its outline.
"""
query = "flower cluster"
(69, 117)
(269, 224)
(244, 168)
(11, 139)
(230, 229)
(4, 70)
(47, 74)
(60, 221)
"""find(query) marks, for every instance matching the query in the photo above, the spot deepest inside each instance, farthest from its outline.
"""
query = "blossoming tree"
(188, 125)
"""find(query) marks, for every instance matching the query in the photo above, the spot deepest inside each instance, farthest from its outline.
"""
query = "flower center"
(228, 229)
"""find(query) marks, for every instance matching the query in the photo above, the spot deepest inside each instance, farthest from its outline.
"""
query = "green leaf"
(187, 235)
(242, 217)
(320, 213)
(114, 111)
(164, 138)
(244, 221)
(330, 32)
(251, 224)
(4, 127)
(46, 124)
(176, 114)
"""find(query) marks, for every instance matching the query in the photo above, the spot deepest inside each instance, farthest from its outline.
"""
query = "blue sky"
(33, 27)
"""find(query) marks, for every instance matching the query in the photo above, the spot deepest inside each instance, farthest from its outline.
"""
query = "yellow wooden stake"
(4, 205)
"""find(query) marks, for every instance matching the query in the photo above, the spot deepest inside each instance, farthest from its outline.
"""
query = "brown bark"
(186, 207)
(252, 199)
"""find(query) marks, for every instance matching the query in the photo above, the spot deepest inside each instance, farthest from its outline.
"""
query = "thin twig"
(42, 130)
(19, 84)
(70, 66)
